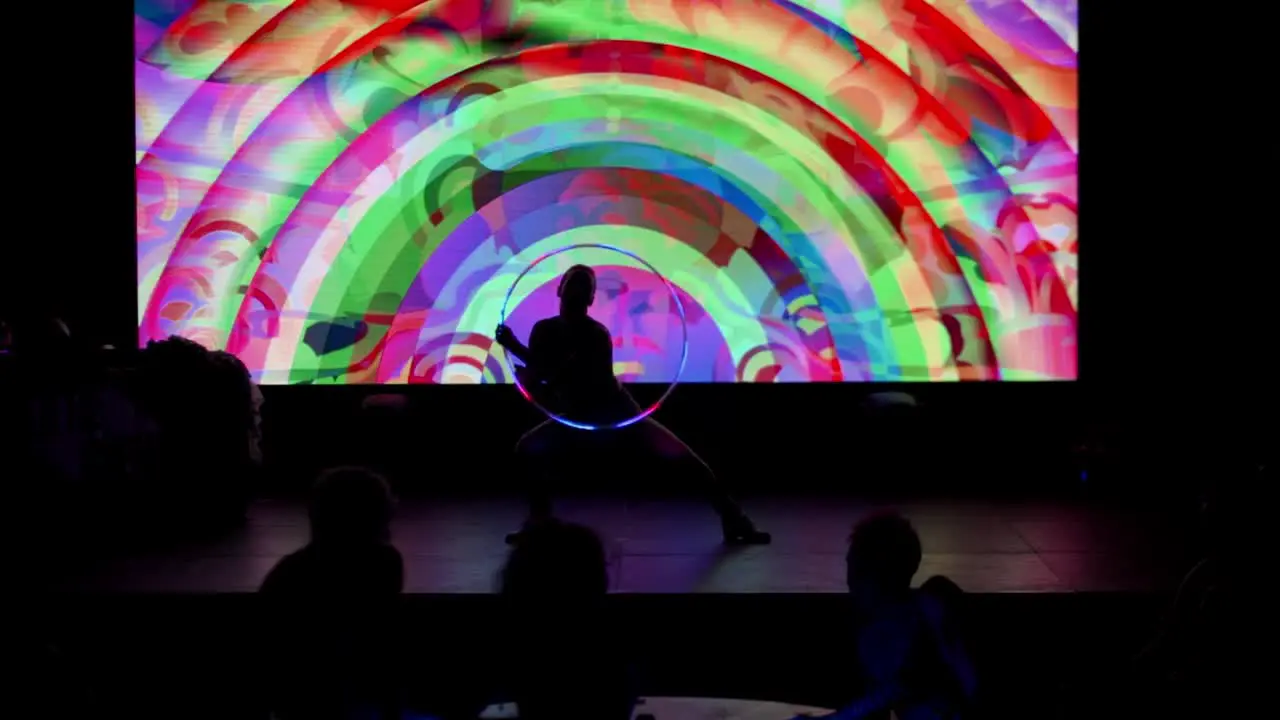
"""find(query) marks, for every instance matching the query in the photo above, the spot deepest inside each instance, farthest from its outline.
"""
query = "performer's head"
(577, 290)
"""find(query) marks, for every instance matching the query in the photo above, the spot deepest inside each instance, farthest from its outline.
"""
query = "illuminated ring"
(684, 341)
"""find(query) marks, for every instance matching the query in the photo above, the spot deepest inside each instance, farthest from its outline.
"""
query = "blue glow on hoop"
(684, 342)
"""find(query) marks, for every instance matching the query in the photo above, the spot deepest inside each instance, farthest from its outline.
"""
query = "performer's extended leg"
(738, 528)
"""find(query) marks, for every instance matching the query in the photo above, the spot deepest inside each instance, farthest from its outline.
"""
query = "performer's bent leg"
(658, 439)
(537, 450)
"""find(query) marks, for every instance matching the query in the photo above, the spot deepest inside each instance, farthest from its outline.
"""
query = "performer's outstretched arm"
(508, 340)
(534, 374)
(530, 354)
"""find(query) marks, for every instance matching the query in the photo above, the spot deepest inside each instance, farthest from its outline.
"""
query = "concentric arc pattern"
(839, 190)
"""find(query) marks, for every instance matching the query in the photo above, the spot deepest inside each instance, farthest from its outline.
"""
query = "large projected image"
(837, 190)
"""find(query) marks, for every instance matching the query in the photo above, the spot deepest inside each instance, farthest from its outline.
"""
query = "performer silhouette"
(568, 368)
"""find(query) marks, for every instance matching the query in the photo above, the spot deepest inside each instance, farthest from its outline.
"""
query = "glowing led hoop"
(684, 340)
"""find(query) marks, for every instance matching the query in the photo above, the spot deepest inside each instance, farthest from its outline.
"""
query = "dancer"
(568, 367)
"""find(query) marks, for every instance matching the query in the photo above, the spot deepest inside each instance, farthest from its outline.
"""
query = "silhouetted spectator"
(47, 377)
(563, 666)
(127, 442)
(331, 642)
(202, 404)
(894, 423)
(1197, 663)
(907, 642)
(350, 550)
(44, 339)
(46, 394)
(385, 436)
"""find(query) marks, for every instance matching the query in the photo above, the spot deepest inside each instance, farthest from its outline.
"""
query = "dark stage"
(673, 546)
(971, 441)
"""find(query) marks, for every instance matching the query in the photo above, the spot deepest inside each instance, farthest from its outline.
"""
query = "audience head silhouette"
(350, 506)
(884, 554)
(569, 668)
(171, 364)
(577, 289)
(556, 560)
(174, 346)
(350, 553)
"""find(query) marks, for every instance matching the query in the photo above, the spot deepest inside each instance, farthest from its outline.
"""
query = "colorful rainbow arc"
(877, 190)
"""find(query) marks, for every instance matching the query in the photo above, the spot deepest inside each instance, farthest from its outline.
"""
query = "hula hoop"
(684, 341)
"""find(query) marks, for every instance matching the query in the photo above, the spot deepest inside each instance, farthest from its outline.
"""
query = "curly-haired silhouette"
(331, 648)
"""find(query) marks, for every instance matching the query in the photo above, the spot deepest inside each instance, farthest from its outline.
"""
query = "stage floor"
(673, 546)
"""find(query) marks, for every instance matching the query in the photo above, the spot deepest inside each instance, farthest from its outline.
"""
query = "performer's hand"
(505, 337)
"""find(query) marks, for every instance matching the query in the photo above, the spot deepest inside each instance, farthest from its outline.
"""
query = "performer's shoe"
(739, 530)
